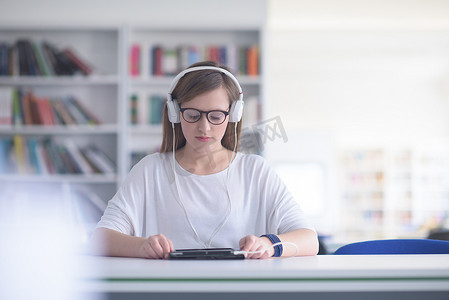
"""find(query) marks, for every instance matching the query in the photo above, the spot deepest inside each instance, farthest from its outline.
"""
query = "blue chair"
(396, 246)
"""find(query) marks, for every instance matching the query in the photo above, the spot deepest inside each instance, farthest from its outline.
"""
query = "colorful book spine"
(41, 60)
(55, 159)
(143, 107)
(78, 63)
(156, 106)
(253, 61)
(63, 112)
(41, 160)
(157, 55)
(14, 68)
(98, 158)
(16, 110)
(133, 103)
(25, 101)
(6, 105)
(4, 55)
(34, 163)
(20, 154)
(4, 157)
(169, 62)
(242, 60)
(134, 60)
(78, 158)
(44, 112)
(31, 155)
(70, 166)
(73, 109)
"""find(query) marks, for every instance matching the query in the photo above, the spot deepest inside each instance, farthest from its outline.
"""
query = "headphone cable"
(227, 190)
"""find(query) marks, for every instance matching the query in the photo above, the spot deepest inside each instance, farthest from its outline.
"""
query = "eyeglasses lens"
(216, 117)
(193, 115)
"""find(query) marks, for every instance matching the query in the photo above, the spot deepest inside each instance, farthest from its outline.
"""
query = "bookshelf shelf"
(145, 129)
(59, 178)
(34, 155)
(58, 80)
(60, 129)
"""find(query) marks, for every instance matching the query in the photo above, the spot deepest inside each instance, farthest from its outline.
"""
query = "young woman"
(198, 192)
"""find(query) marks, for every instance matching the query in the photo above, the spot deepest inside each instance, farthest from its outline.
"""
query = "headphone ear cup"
(236, 111)
(173, 111)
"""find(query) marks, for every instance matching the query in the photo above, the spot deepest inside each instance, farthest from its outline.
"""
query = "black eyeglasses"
(192, 115)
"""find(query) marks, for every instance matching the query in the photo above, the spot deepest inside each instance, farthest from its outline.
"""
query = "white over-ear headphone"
(235, 112)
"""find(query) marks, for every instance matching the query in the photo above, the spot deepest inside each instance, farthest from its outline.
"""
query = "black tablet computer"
(208, 253)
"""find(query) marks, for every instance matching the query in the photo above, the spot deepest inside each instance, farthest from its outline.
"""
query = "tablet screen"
(208, 253)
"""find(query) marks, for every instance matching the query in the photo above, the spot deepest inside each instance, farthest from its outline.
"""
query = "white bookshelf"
(394, 192)
(100, 92)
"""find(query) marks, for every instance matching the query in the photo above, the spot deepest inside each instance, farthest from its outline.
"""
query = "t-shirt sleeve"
(124, 211)
(284, 212)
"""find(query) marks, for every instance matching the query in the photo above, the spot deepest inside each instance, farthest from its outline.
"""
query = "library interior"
(347, 101)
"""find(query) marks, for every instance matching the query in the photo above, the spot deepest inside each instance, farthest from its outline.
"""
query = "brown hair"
(188, 87)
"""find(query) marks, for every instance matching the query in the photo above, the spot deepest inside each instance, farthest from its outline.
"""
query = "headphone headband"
(173, 107)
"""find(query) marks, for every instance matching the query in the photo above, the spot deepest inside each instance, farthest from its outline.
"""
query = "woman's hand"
(156, 246)
(253, 243)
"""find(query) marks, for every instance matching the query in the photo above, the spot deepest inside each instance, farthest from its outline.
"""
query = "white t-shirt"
(148, 203)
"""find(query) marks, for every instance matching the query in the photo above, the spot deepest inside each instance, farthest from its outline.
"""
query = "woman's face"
(203, 136)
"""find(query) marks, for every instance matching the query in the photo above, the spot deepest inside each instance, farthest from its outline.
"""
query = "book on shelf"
(25, 57)
(34, 165)
(75, 111)
(18, 107)
(77, 62)
(26, 108)
(99, 159)
(133, 101)
(243, 60)
(253, 60)
(31, 155)
(20, 154)
(70, 166)
(146, 109)
(156, 59)
(8, 163)
(168, 61)
(134, 60)
(45, 112)
(142, 110)
(4, 157)
(6, 105)
(55, 159)
(42, 61)
(4, 57)
(155, 109)
(90, 117)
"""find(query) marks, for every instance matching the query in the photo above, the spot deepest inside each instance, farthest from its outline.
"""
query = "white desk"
(324, 273)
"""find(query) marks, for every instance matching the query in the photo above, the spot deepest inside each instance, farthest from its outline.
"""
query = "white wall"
(358, 14)
(368, 72)
(355, 74)
(157, 12)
